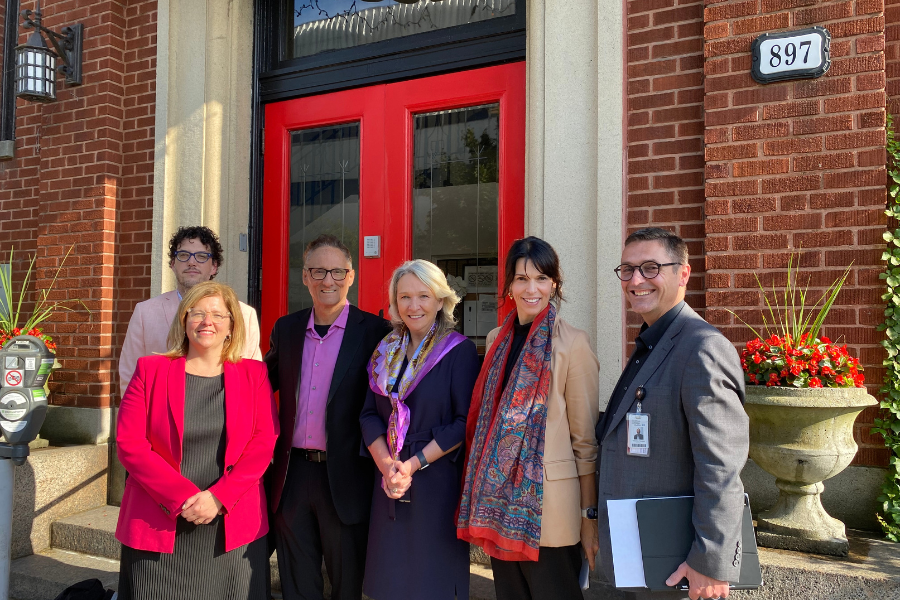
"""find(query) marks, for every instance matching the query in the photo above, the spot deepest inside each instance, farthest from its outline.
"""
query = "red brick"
(674, 82)
(727, 46)
(732, 115)
(730, 152)
(831, 200)
(649, 69)
(761, 167)
(792, 146)
(823, 239)
(790, 184)
(791, 222)
(815, 162)
(639, 6)
(714, 101)
(775, 241)
(679, 146)
(828, 12)
(856, 27)
(690, 46)
(871, 81)
(872, 158)
(637, 167)
(865, 7)
(823, 124)
(822, 87)
(854, 102)
(856, 218)
(759, 95)
(732, 261)
(681, 113)
(651, 101)
(651, 36)
(856, 179)
(679, 180)
(716, 66)
(764, 23)
(730, 10)
(792, 109)
(857, 64)
(873, 43)
(753, 205)
(713, 31)
(760, 131)
(716, 171)
(732, 188)
(690, 12)
(769, 6)
(855, 139)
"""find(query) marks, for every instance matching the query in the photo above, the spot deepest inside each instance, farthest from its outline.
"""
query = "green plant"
(888, 426)
(790, 351)
(12, 309)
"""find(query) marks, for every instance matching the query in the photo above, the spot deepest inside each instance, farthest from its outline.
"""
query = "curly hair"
(205, 235)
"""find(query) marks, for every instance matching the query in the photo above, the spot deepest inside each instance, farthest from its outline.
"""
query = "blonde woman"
(196, 429)
(413, 423)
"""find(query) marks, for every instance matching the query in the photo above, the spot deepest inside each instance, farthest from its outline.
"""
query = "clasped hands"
(397, 479)
(201, 508)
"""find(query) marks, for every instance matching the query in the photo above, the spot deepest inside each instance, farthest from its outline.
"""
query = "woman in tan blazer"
(529, 493)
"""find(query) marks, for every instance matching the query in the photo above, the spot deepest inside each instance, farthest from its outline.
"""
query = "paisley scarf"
(384, 368)
(503, 487)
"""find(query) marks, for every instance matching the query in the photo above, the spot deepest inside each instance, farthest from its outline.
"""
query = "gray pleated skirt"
(199, 568)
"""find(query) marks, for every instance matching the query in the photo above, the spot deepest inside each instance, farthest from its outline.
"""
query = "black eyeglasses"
(200, 257)
(648, 270)
(336, 274)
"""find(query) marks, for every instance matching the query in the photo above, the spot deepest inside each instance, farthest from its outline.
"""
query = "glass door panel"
(455, 195)
(324, 199)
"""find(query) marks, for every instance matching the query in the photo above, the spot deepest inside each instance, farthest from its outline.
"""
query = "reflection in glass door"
(324, 199)
(429, 168)
(455, 207)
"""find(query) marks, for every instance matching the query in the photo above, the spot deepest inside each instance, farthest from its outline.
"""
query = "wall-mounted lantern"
(36, 64)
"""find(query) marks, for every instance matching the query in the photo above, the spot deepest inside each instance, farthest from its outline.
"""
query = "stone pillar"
(203, 113)
(574, 158)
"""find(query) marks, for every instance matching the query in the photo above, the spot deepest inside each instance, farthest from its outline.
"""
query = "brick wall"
(84, 165)
(665, 127)
(892, 54)
(799, 167)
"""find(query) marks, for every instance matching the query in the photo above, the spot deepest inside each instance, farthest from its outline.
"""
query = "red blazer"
(149, 433)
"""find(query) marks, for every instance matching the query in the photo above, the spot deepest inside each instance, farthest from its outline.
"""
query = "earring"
(228, 337)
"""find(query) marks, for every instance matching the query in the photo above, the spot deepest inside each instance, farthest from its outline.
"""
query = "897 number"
(790, 54)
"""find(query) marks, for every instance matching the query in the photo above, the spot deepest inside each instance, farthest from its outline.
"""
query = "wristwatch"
(423, 462)
(589, 513)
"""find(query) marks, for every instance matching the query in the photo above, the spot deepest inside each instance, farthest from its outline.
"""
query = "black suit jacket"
(350, 475)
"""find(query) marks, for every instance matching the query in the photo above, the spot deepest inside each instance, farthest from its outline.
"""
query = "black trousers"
(308, 529)
(553, 577)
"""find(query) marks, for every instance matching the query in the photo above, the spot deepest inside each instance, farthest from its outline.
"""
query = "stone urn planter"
(803, 437)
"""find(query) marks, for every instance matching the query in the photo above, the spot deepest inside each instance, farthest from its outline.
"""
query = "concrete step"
(90, 532)
(43, 576)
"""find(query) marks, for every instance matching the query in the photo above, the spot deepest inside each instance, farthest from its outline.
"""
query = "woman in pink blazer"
(196, 431)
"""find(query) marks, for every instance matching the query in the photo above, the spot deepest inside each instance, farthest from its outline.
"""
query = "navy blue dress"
(416, 554)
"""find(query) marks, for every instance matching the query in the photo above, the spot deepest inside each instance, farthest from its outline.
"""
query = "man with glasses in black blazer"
(320, 486)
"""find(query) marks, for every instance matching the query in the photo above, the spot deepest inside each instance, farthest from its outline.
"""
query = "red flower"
(757, 358)
(825, 340)
(814, 382)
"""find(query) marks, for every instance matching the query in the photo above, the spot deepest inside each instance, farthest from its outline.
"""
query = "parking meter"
(25, 364)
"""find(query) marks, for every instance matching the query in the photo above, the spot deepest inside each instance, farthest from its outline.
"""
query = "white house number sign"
(802, 54)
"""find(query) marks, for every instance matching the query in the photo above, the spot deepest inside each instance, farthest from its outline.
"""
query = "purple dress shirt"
(319, 357)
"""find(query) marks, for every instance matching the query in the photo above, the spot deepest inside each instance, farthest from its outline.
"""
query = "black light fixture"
(36, 64)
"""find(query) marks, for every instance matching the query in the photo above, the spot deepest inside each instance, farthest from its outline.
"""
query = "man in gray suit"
(686, 377)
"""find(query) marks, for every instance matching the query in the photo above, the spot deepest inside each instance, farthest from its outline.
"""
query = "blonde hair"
(429, 274)
(234, 343)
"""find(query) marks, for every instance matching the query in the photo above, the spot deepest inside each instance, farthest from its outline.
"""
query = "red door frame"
(385, 113)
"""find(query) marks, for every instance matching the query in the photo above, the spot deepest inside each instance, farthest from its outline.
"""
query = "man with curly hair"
(195, 255)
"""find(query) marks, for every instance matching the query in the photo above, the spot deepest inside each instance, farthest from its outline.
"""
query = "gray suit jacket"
(699, 438)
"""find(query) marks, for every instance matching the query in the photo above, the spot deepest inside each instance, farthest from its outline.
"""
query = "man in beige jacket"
(195, 255)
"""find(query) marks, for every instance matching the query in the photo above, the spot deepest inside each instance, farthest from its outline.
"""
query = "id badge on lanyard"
(638, 428)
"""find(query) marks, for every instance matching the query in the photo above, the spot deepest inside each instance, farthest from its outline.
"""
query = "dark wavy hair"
(542, 256)
(205, 235)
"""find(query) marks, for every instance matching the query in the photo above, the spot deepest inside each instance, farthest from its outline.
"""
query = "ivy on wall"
(889, 426)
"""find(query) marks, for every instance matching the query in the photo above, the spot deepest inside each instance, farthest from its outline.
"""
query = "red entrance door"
(431, 168)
